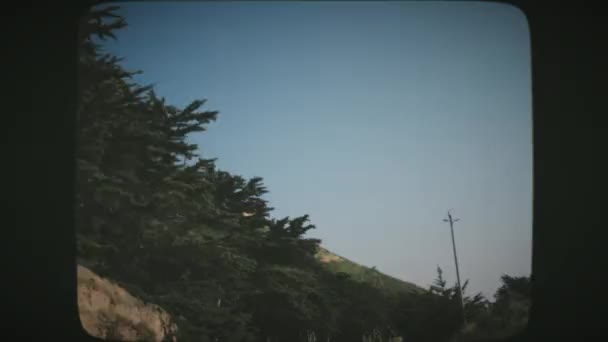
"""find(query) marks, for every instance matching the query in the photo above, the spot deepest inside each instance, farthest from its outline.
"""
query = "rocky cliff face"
(108, 311)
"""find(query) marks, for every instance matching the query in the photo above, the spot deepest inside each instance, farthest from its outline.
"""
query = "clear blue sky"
(372, 117)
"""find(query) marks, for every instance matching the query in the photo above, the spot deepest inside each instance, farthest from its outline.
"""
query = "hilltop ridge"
(370, 275)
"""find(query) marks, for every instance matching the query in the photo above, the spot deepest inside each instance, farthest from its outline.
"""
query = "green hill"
(370, 275)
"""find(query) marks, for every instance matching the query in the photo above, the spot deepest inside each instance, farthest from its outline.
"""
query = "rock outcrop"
(108, 311)
(326, 256)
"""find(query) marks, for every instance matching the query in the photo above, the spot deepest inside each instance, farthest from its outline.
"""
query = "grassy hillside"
(369, 275)
(337, 264)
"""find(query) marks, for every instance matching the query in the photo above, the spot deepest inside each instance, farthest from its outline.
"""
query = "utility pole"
(451, 220)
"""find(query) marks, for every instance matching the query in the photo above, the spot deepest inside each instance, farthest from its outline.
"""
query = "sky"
(374, 118)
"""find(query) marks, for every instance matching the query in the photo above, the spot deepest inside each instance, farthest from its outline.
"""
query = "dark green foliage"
(432, 316)
(507, 316)
(174, 230)
(512, 303)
